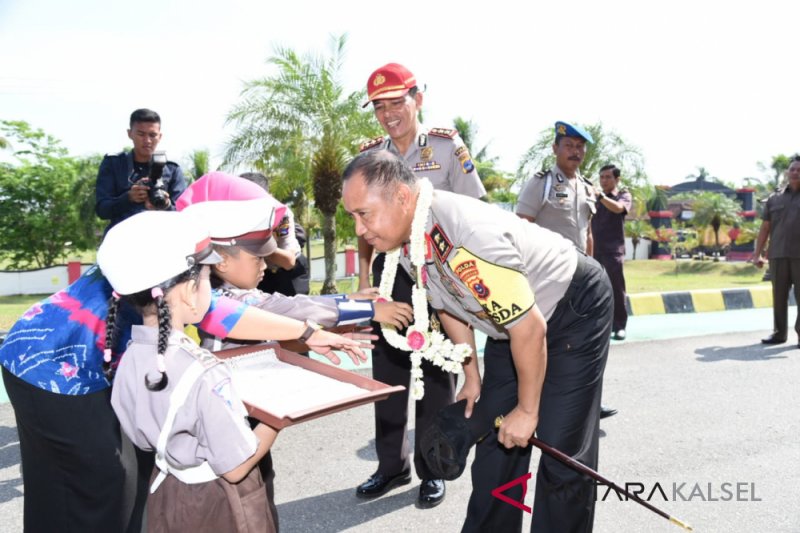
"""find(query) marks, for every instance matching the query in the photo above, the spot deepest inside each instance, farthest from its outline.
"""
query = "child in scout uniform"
(242, 217)
(170, 395)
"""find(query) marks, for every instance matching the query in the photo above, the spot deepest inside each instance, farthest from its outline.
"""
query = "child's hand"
(398, 314)
(324, 343)
(369, 293)
(357, 332)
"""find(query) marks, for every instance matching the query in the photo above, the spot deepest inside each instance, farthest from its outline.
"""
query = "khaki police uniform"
(209, 433)
(440, 155)
(560, 204)
(782, 211)
(489, 268)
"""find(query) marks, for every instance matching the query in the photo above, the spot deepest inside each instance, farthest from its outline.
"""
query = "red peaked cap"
(392, 80)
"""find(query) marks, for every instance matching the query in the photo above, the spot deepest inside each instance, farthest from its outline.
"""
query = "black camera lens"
(158, 197)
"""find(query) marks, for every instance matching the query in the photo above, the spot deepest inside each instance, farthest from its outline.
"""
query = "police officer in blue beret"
(120, 191)
(561, 199)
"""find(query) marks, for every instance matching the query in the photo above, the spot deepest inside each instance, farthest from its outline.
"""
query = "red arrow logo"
(522, 480)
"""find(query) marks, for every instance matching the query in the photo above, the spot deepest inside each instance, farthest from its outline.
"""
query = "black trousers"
(569, 414)
(393, 367)
(79, 470)
(612, 263)
(785, 273)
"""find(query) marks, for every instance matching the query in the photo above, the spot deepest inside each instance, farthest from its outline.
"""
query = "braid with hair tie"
(111, 329)
(164, 330)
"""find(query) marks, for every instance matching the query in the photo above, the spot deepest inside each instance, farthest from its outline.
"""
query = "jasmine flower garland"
(419, 340)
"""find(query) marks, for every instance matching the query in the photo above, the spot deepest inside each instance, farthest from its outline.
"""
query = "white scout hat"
(152, 247)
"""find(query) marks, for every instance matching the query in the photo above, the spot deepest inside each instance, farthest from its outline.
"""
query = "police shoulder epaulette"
(370, 144)
(447, 133)
(542, 173)
(587, 181)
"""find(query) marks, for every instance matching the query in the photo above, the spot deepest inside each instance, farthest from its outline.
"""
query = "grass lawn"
(12, 307)
(661, 276)
(658, 276)
(640, 276)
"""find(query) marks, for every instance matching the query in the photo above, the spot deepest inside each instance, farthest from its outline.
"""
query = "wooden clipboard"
(373, 390)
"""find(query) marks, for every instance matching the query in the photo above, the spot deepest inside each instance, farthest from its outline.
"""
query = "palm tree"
(779, 165)
(496, 182)
(198, 165)
(299, 127)
(714, 209)
(638, 229)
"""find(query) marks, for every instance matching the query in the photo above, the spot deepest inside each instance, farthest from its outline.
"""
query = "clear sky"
(691, 83)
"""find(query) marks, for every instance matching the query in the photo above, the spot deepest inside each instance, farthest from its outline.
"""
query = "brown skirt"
(218, 505)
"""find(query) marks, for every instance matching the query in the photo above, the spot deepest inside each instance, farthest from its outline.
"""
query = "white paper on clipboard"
(266, 382)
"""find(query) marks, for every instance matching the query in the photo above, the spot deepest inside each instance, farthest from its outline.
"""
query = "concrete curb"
(700, 301)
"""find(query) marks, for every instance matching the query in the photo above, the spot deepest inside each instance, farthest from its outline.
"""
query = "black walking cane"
(446, 443)
(583, 469)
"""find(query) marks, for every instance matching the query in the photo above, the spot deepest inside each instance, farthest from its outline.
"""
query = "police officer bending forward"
(546, 309)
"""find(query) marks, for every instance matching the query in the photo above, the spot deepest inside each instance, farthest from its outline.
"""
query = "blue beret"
(568, 130)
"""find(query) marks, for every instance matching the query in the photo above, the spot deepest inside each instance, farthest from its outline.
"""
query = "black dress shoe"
(773, 339)
(619, 335)
(431, 493)
(606, 411)
(379, 484)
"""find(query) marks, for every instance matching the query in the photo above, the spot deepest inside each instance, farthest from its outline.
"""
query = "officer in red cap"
(440, 155)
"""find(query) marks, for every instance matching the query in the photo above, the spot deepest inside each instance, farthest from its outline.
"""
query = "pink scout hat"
(237, 211)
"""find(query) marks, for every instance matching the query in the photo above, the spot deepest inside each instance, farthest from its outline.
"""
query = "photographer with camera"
(130, 182)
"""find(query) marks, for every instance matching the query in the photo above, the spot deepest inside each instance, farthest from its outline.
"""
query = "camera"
(157, 193)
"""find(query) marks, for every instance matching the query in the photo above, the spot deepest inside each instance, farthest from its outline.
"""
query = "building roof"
(703, 185)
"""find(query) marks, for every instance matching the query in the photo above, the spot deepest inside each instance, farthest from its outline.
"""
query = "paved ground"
(694, 411)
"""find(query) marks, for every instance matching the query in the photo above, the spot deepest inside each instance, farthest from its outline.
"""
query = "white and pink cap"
(237, 211)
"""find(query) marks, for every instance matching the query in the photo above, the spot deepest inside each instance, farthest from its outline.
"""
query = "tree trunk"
(635, 243)
(329, 237)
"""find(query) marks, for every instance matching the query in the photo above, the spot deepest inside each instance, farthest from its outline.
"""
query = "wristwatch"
(311, 327)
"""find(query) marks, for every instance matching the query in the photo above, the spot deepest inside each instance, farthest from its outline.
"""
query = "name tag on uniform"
(562, 195)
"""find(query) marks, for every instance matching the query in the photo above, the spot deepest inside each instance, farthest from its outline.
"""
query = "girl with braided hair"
(170, 395)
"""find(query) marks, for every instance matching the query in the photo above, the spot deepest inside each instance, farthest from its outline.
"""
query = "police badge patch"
(467, 165)
(511, 295)
(467, 271)
(283, 227)
(441, 244)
